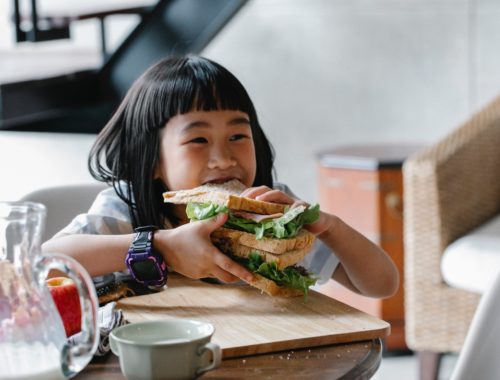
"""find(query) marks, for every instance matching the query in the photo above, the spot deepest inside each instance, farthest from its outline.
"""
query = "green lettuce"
(202, 211)
(286, 226)
(294, 277)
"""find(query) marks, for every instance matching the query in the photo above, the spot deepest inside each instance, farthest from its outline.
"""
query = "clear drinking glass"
(33, 343)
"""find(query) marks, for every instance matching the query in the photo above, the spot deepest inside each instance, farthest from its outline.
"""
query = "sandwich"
(267, 238)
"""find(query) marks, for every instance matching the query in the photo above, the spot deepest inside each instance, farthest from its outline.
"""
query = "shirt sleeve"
(108, 215)
(321, 261)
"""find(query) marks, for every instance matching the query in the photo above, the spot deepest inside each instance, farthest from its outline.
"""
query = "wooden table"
(261, 336)
(358, 360)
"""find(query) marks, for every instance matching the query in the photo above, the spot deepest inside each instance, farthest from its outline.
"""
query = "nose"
(221, 158)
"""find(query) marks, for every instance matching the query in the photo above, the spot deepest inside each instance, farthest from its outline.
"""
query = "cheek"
(248, 160)
(252, 161)
(182, 169)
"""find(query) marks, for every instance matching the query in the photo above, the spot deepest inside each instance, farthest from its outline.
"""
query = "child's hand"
(323, 224)
(264, 193)
(188, 250)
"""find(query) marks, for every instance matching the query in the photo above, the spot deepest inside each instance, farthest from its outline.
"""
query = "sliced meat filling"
(257, 218)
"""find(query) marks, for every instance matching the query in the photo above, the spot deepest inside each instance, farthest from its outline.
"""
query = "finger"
(311, 228)
(324, 223)
(276, 196)
(210, 225)
(299, 202)
(224, 276)
(255, 191)
(228, 265)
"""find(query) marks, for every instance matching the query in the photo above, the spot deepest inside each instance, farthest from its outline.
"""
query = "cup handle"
(75, 357)
(216, 357)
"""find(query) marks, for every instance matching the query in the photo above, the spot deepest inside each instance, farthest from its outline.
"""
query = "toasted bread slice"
(226, 194)
(271, 288)
(304, 240)
(283, 260)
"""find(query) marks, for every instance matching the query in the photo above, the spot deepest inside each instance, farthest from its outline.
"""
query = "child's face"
(200, 147)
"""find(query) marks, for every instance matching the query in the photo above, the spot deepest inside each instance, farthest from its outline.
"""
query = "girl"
(185, 122)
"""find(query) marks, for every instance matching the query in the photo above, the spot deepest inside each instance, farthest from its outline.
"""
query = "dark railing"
(83, 101)
(56, 27)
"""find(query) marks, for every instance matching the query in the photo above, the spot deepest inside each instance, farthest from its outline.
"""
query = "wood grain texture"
(357, 360)
(248, 322)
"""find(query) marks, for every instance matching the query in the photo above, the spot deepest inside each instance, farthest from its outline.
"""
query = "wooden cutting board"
(248, 322)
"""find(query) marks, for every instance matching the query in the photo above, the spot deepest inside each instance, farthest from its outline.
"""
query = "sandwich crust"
(304, 240)
(271, 288)
(283, 260)
(226, 194)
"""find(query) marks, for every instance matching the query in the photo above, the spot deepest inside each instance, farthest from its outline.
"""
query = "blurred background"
(322, 74)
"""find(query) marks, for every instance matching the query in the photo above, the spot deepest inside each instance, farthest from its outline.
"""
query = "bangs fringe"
(210, 88)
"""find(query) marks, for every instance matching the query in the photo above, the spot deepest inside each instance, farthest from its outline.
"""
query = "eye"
(238, 137)
(198, 140)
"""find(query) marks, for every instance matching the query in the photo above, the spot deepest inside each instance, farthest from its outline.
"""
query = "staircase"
(82, 102)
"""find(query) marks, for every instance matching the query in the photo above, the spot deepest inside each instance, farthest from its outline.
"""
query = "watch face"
(145, 270)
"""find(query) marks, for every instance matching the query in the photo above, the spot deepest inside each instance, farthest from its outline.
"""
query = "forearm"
(186, 250)
(98, 254)
(364, 266)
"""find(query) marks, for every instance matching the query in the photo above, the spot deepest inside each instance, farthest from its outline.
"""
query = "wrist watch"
(145, 264)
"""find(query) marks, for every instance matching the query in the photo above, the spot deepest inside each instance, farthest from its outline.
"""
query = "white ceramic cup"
(169, 349)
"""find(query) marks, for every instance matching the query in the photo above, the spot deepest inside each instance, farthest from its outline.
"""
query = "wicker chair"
(450, 188)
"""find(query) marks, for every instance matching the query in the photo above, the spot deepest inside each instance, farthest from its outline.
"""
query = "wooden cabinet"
(363, 185)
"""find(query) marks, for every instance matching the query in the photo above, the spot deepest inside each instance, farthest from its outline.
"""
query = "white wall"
(325, 73)
(29, 161)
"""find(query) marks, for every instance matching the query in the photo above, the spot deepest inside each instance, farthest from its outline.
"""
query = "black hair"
(127, 150)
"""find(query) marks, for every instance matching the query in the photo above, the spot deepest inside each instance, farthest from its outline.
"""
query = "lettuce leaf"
(202, 211)
(294, 277)
(286, 226)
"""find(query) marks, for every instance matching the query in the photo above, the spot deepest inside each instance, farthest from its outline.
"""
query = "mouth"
(221, 180)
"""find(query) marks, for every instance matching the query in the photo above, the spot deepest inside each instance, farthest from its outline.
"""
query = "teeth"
(219, 181)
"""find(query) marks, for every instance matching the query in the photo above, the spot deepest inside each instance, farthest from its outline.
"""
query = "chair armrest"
(454, 185)
(450, 188)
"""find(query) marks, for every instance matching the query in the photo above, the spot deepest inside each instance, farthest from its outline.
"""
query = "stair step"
(76, 10)
(38, 61)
